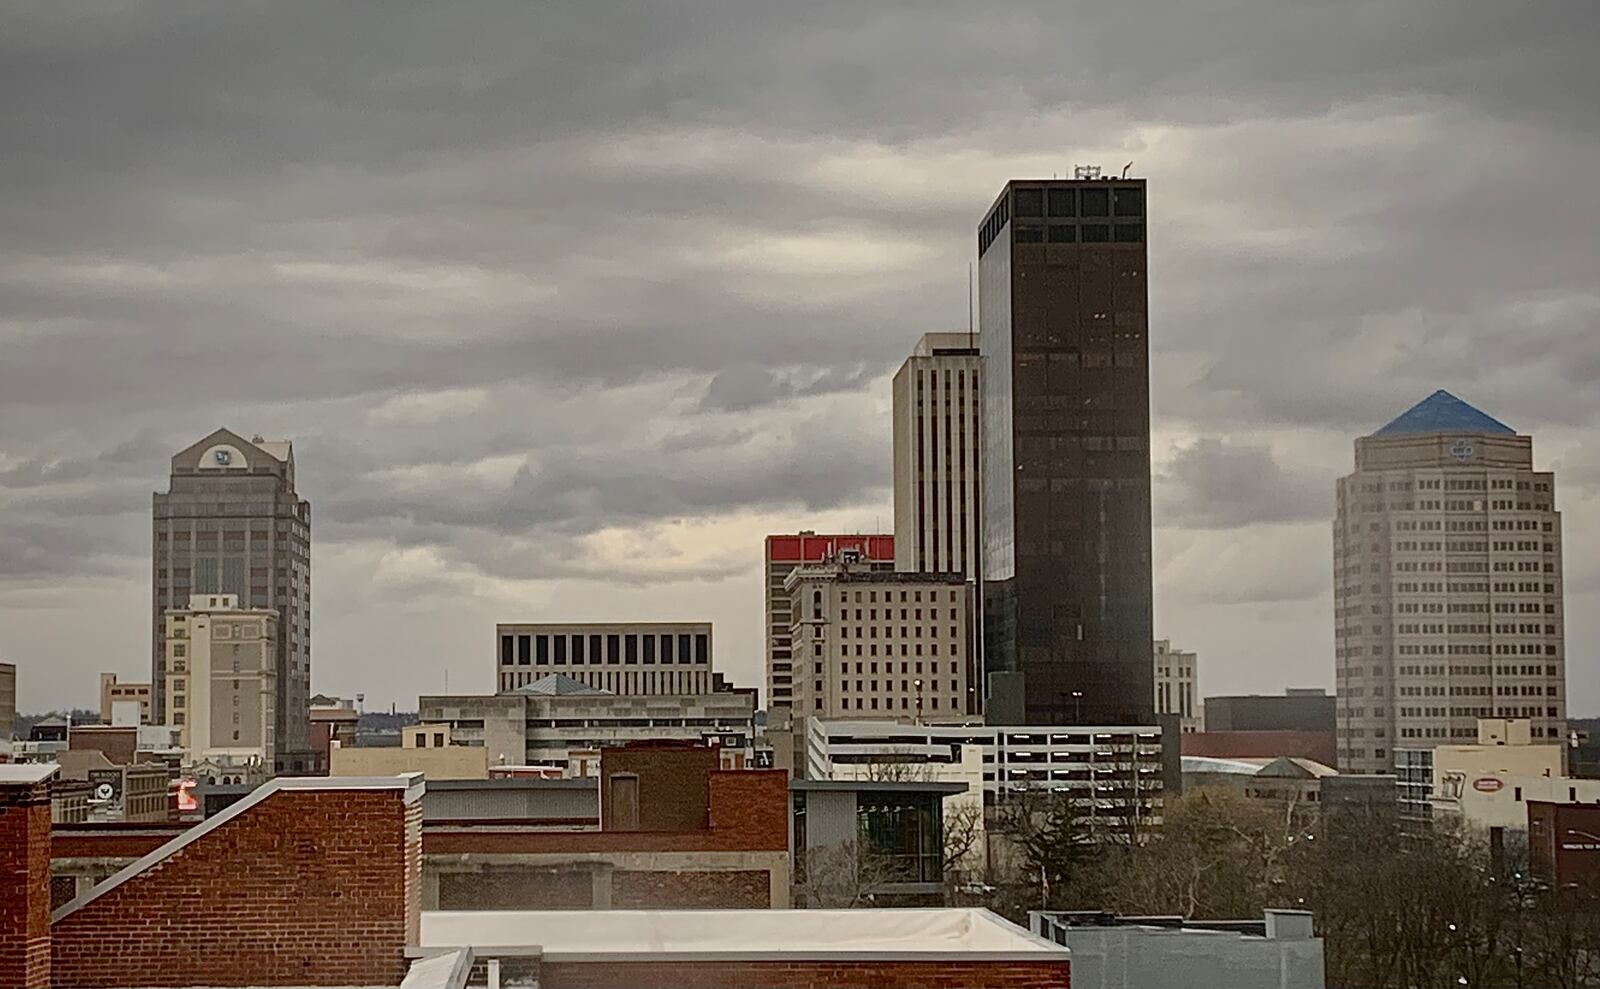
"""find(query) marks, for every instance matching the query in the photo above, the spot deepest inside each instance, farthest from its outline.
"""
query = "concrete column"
(430, 887)
(602, 885)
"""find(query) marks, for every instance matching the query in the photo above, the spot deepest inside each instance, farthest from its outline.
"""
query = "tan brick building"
(873, 644)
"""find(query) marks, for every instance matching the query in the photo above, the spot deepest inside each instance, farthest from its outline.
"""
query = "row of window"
(609, 649)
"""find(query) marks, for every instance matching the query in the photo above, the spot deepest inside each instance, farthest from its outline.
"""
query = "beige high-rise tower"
(936, 443)
(1447, 586)
(231, 522)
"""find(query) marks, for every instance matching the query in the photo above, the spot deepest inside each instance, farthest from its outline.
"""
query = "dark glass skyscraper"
(1066, 495)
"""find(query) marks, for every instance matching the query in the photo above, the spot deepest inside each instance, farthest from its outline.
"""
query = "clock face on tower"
(222, 457)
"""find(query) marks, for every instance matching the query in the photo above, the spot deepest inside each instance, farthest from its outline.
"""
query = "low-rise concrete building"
(1118, 772)
(546, 721)
(1111, 952)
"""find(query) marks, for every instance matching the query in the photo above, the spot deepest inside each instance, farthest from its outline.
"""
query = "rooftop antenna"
(970, 342)
(1125, 169)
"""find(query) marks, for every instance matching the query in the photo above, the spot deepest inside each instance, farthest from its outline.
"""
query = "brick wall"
(749, 812)
(25, 885)
(639, 890)
(672, 783)
(750, 809)
(308, 887)
(517, 889)
(112, 840)
(805, 975)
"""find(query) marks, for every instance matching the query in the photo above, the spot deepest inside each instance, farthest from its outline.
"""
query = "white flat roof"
(26, 772)
(684, 935)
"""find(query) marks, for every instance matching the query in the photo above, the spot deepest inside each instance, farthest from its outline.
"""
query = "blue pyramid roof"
(1442, 412)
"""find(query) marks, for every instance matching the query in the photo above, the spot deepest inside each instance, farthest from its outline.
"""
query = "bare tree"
(842, 876)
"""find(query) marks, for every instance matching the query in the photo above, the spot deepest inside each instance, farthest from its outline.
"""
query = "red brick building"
(320, 882)
(1564, 842)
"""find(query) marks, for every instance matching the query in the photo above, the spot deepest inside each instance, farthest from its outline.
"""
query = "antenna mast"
(970, 341)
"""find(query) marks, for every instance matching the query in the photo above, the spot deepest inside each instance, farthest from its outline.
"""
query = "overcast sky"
(565, 305)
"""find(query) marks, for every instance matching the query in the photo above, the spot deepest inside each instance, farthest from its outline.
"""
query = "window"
(1061, 233)
(1129, 201)
(1029, 202)
(1096, 233)
(1095, 202)
(1063, 202)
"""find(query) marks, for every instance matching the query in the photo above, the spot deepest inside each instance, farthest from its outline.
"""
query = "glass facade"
(904, 832)
(1066, 528)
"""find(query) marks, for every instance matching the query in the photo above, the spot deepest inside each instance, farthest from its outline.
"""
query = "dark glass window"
(1096, 202)
(577, 649)
(702, 648)
(506, 650)
(1063, 202)
(541, 648)
(1029, 235)
(685, 647)
(613, 649)
(666, 647)
(1061, 233)
(594, 649)
(1129, 233)
(561, 650)
(524, 649)
(1130, 202)
(650, 649)
(1096, 233)
(1030, 202)
(631, 649)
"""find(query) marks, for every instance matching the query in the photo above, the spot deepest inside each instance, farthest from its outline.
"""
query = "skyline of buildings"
(1064, 613)
(1065, 569)
(231, 522)
(1448, 585)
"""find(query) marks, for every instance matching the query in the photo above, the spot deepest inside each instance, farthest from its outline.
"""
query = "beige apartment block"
(1177, 684)
(783, 553)
(221, 681)
(1448, 586)
(873, 644)
(936, 446)
(114, 692)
